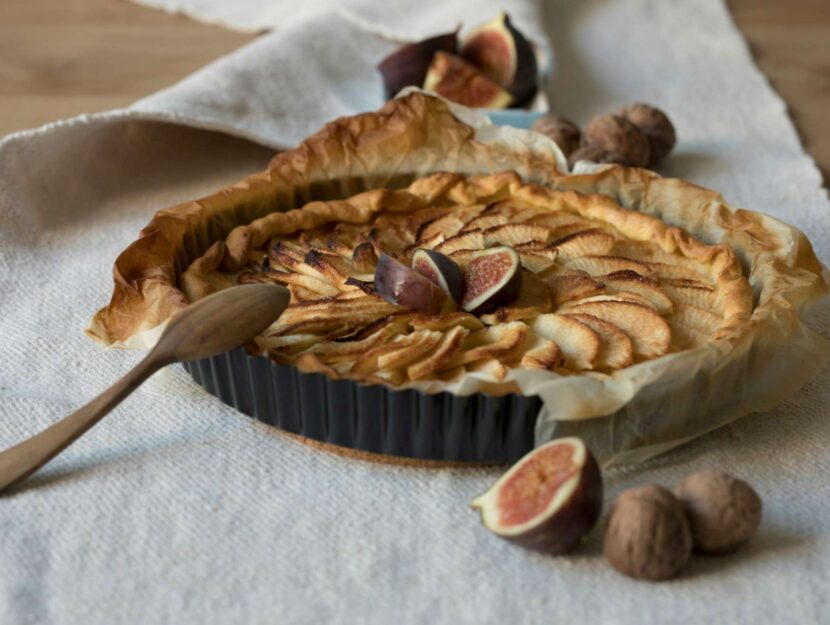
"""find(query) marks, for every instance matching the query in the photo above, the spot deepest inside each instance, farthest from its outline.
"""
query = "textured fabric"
(178, 509)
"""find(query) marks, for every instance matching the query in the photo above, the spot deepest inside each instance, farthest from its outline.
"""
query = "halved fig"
(398, 284)
(452, 77)
(441, 269)
(408, 65)
(492, 278)
(504, 55)
(549, 500)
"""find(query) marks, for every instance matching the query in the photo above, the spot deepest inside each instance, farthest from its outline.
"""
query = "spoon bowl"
(211, 326)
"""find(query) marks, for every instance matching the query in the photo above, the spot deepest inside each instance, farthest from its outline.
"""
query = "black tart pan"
(371, 418)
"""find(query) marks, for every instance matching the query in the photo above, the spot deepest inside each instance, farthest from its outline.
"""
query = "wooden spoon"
(211, 326)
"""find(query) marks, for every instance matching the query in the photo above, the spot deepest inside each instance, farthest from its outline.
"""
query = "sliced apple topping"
(533, 299)
(447, 226)
(599, 265)
(632, 282)
(593, 242)
(609, 297)
(492, 342)
(516, 234)
(542, 354)
(472, 240)
(579, 343)
(569, 287)
(691, 292)
(615, 350)
(692, 326)
(649, 333)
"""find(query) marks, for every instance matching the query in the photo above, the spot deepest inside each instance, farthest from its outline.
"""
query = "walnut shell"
(723, 511)
(564, 132)
(615, 133)
(595, 154)
(648, 535)
(656, 126)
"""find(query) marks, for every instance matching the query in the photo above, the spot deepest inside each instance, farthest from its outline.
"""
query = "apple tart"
(542, 279)
(449, 276)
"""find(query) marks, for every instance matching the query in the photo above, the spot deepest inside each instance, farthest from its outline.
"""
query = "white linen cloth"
(177, 509)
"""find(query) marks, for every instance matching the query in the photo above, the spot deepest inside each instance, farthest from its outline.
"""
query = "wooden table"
(59, 58)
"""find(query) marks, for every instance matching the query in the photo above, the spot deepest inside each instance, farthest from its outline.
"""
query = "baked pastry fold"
(751, 274)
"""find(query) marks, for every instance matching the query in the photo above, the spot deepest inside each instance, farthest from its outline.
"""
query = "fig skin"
(648, 535)
(656, 126)
(403, 286)
(454, 78)
(723, 511)
(615, 133)
(506, 293)
(408, 65)
(426, 261)
(518, 73)
(563, 131)
(560, 530)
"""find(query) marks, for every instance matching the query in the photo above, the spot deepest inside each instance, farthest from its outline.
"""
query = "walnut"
(615, 133)
(595, 154)
(648, 536)
(656, 126)
(564, 132)
(723, 511)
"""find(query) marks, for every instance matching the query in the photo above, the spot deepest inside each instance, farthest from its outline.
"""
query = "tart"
(608, 295)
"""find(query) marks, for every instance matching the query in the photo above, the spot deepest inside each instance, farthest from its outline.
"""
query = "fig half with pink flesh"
(408, 65)
(441, 269)
(403, 286)
(452, 77)
(548, 500)
(499, 50)
(492, 278)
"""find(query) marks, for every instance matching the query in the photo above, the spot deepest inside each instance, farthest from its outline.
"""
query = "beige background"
(59, 58)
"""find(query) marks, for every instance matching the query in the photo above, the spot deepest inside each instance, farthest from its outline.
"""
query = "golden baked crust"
(603, 287)
(191, 249)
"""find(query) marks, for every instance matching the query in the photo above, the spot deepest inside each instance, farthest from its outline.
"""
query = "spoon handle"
(25, 458)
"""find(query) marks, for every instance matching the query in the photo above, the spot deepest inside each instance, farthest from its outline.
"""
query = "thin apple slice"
(447, 225)
(608, 297)
(483, 222)
(567, 288)
(535, 263)
(676, 271)
(515, 234)
(692, 293)
(579, 344)
(598, 265)
(632, 282)
(472, 240)
(491, 368)
(649, 332)
(692, 326)
(592, 242)
(542, 354)
(434, 360)
(616, 350)
(492, 342)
